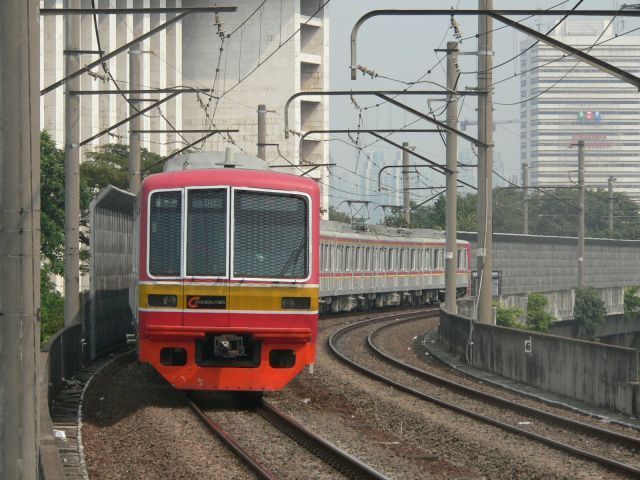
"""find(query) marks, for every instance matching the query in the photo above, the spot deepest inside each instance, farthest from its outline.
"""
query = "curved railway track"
(472, 393)
(328, 453)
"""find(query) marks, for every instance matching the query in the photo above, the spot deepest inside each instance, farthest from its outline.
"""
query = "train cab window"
(462, 259)
(271, 235)
(207, 232)
(165, 233)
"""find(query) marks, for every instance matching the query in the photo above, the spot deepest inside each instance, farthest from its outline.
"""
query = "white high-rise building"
(566, 101)
(254, 62)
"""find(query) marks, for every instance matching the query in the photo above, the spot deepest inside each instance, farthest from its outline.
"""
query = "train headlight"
(296, 303)
(161, 300)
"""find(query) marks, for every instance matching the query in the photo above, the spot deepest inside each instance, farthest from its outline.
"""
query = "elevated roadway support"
(19, 237)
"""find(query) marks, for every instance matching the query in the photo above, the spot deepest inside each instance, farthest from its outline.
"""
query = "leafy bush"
(509, 316)
(51, 307)
(631, 303)
(538, 318)
(589, 309)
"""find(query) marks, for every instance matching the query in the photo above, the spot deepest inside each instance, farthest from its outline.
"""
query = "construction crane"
(465, 122)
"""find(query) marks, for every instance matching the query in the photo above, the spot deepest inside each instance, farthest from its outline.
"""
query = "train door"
(206, 265)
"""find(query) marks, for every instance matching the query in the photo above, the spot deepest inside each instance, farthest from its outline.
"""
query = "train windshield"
(165, 218)
(271, 235)
(207, 232)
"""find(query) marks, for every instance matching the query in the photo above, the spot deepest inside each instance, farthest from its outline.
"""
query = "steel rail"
(458, 409)
(331, 454)
(231, 443)
(628, 440)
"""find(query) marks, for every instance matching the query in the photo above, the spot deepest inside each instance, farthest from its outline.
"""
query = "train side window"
(165, 233)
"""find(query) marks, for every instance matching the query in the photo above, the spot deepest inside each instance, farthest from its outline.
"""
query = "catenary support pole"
(19, 237)
(134, 106)
(451, 256)
(581, 232)
(406, 194)
(525, 198)
(72, 170)
(262, 132)
(610, 181)
(485, 164)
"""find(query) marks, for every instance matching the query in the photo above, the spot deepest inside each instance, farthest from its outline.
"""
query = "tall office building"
(246, 59)
(566, 101)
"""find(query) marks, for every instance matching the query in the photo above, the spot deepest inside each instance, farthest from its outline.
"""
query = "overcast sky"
(403, 48)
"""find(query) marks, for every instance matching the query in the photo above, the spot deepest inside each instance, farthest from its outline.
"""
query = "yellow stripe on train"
(227, 297)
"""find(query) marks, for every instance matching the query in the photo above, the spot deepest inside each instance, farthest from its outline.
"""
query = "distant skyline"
(402, 48)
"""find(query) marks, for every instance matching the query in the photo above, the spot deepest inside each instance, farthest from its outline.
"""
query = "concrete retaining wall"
(598, 374)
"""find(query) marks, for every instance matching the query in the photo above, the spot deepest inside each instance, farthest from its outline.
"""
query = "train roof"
(229, 177)
(383, 233)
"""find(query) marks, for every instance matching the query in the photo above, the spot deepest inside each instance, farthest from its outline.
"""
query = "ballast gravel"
(137, 426)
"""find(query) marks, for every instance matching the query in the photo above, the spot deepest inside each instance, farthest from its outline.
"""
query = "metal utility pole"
(72, 169)
(451, 256)
(406, 198)
(134, 125)
(485, 163)
(581, 188)
(19, 237)
(262, 132)
(610, 184)
(525, 195)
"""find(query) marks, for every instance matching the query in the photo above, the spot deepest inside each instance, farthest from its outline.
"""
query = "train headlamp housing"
(162, 300)
(296, 303)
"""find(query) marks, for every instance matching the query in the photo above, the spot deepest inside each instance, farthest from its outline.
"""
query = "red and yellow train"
(229, 279)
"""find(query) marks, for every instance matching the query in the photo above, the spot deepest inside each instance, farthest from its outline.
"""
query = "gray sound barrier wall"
(111, 247)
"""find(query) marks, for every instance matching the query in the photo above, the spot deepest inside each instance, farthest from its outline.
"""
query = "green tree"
(631, 303)
(538, 318)
(589, 309)
(338, 216)
(109, 165)
(51, 306)
(509, 316)
(433, 215)
(52, 198)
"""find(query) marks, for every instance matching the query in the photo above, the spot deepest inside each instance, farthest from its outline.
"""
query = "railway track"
(467, 395)
(336, 458)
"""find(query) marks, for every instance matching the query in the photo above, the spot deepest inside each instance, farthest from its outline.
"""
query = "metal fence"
(111, 247)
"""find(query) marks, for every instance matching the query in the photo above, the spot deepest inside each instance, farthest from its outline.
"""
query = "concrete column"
(525, 198)
(134, 125)
(406, 198)
(72, 170)
(610, 185)
(485, 164)
(581, 200)
(19, 237)
(262, 132)
(452, 180)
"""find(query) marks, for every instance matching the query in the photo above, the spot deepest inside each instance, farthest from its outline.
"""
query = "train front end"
(228, 278)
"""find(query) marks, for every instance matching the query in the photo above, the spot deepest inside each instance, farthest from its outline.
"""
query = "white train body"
(385, 266)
